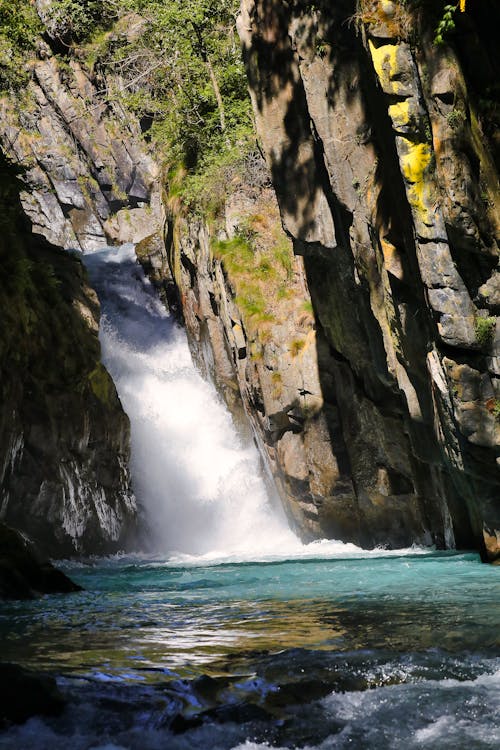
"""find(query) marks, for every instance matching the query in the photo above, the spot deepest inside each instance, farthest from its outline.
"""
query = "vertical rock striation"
(64, 439)
(248, 312)
(388, 189)
(345, 299)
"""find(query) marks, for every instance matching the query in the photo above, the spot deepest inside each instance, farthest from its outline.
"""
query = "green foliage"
(237, 254)
(251, 271)
(179, 68)
(446, 24)
(283, 255)
(456, 118)
(19, 27)
(496, 409)
(185, 73)
(296, 346)
(484, 329)
(204, 189)
(252, 303)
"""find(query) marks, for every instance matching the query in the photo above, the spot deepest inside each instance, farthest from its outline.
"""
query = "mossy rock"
(102, 386)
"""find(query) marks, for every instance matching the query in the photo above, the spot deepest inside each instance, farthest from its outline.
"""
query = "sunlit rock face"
(89, 178)
(64, 438)
(387, 187)
(249, 315)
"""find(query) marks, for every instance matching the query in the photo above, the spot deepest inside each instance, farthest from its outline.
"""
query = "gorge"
(288, 431)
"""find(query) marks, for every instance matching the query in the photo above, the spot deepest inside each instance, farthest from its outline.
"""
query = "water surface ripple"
(377, 652)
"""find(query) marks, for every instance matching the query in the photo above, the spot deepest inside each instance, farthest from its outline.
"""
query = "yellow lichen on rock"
(386, 66)
(415, 159)
(400, 114)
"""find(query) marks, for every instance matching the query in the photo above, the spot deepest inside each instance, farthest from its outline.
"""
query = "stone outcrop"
(64, 438)
(90, 181)
(388, 189)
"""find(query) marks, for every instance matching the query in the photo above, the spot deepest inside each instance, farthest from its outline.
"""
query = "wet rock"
(64, 438)
(24, 573)
(24, 694)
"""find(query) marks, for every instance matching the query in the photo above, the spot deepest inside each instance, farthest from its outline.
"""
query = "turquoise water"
(363, 652)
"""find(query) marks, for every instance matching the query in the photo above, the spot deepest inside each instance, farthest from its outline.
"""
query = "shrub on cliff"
(76, 20)
(19, 28)
(184, 74)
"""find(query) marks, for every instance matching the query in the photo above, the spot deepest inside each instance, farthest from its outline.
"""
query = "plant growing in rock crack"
(456, 118)
(296, 346)
(484, 329)
(277, 381)
(496, 409)
(258, 262)
(446, 23)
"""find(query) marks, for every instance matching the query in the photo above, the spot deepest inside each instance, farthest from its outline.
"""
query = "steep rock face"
(64, 439)
(247, 309)
(388, 189)
(89, 180)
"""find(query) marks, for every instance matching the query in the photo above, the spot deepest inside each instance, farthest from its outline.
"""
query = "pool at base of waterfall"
(357, 650)
(244, 638)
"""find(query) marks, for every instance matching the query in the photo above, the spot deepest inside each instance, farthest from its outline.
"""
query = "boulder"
(24, 573)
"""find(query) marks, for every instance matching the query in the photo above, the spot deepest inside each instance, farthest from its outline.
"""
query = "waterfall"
(199, 482)
(197, 478)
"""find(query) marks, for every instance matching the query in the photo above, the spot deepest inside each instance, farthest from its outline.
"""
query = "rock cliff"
(344, 297)
(89, 179)
(64, 439)
(388, 189)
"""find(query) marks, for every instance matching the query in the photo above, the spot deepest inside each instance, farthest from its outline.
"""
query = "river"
(230, 633)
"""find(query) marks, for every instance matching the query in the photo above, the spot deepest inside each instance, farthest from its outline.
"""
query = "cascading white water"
(198, 480)
(199, 484)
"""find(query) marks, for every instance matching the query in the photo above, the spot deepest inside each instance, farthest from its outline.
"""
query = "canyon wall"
(64, 439)
(86, 181)
(343, 297)
(89, 179)
(378, 405)
(388, 189)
